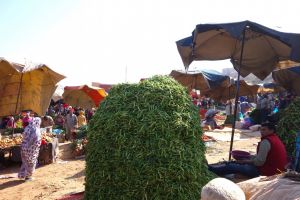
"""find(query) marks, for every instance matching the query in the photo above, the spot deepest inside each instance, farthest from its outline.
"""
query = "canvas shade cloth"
(83, 96)
(26, 87)
(200, 80)
(288, 78)
(226, 93)
(263, 47)
(270, 88)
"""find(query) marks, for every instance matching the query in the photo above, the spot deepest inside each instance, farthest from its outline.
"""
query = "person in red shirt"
(270, 159)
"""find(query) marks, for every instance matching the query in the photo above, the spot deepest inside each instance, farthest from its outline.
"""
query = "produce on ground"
(145, 143)
(289, 125)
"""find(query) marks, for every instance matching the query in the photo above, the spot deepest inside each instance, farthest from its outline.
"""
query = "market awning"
(26, 87)
(83, 96)
(226, 93)
(202, 80)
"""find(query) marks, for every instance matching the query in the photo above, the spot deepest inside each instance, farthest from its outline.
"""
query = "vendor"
(11, 122)
(81, 118)
(47, 122)
(71, 123)
(270, 159)
(210, 119)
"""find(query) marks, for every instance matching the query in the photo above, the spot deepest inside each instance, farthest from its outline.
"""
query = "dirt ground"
(56, 180)
(51, 181)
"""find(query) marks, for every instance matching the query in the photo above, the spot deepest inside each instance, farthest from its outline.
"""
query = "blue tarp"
(295, 69)
(213, 77)
(270, 85)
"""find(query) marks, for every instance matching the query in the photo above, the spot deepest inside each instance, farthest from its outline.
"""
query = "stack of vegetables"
(79, 144)
(289, 125)
(10, 142)
(145, 143)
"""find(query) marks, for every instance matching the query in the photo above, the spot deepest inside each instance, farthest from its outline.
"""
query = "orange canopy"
(106, 87)
(83, 96)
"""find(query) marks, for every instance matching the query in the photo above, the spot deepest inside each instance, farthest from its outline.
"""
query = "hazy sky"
(96, 40)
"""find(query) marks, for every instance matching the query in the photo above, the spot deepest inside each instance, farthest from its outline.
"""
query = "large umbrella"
(227, 93)
(84, 96)
(264, 48)
(26, 88)
(288, 78)
(202, 80)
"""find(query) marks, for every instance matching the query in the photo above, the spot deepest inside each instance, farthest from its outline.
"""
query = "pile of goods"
(79, 147)
(289, 125)
(46, 137)
(145, 143)
(220, 117)
(79, 144)
(10, 142)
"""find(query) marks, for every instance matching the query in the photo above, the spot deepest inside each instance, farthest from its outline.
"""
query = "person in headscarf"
(26, 120)
(30, 149)
(81, 119)
(11, 122)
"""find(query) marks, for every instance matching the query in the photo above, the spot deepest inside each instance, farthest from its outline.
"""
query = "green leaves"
(289, 125)
(145, 143)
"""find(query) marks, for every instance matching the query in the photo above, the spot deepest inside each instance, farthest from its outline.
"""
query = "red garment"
(195, 102)
(202, 113)
(276, 159)
(26, 120)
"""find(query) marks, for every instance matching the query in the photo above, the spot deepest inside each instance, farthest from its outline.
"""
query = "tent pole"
(230, 105)
(18, 97)
(237, 94)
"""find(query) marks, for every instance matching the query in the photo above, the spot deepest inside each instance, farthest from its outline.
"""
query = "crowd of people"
(249, 112)
(271, 156)
(59, 116)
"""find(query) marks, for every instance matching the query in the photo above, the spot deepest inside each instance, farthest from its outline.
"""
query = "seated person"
(247, 121)
(47, 122)
(210, 119)
(270, 159)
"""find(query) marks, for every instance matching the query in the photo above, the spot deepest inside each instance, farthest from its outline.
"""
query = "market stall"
(10, 147)
(26, 87)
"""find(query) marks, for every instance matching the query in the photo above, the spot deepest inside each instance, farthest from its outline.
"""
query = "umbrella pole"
(237, 95)
(230, 105)
(18, 97)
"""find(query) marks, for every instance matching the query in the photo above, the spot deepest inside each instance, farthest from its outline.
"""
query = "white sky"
(95, 40)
